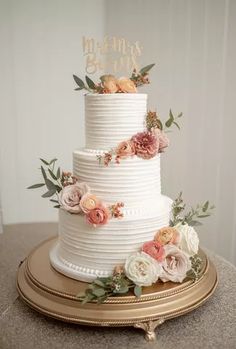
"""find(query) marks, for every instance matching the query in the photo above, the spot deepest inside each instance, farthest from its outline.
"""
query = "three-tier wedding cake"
(83, 251)
(116, 229)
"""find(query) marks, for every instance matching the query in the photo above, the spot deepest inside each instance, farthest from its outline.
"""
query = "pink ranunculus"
(146, 144)
(70, 196)
(125, 149)
(154, 249)
(164, 141)
(175, 265)
(98, 216)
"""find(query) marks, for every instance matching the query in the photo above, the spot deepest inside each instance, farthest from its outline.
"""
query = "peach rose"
(125, 149)
(175, 265)
(109, 83)
(126, 85)
(88, 202)
(70, 196)
(154, 249)
(167, 235)
(163, 139)
(98, 216)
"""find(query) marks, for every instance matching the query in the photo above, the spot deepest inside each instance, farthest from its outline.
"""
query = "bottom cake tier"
(84, 252)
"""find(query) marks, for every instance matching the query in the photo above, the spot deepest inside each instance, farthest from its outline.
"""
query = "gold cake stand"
(53, 294)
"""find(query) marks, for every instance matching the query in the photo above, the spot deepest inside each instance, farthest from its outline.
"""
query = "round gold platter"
(53, 294)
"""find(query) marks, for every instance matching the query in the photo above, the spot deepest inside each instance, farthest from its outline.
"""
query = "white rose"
(175, 265)
(189, 240)
(142, 269)
(70, 196)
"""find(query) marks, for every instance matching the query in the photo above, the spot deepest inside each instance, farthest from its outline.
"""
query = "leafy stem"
(190, 217)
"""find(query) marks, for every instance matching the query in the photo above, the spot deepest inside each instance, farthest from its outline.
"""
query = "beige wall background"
(193, 44)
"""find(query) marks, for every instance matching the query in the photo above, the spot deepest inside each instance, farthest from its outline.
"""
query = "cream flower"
(167, 235)
(189, 240)
(142, 269)
(109, 82)
(126, 85)
(70, 196)
(175, 265)
(125, 149)
(88, 202)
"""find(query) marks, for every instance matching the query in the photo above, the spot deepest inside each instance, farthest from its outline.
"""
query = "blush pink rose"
(125, 149)
(70, 196)
(146, 144)
(154, 249)
(88, 202)
(164, 141)
(98, 216)
(175, 265)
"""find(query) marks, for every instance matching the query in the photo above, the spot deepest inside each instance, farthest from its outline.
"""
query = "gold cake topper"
(111, 54)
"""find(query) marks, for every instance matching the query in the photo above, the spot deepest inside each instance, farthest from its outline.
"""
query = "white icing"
(113, 118)
(84, 252)
(134, 181)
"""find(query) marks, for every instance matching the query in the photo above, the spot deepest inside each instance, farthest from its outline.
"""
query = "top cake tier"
(113, 118)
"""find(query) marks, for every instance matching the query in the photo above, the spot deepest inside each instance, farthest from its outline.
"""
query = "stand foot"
(149, 328)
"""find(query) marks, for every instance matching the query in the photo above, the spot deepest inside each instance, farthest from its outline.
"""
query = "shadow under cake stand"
(53, 294)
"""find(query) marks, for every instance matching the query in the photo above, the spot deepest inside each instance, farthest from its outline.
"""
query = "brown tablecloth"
(213, 325)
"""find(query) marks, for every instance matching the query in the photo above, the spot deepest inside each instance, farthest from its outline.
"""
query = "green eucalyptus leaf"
(138, 291)
(123, 289)
(36, 186)
(99, 292)
(52, 174)
(194, 223)
(53, 200)
(49, 193)
(146, 69)
(58, 173)
(57, 206)
(79, 88)
(43, 173)
(50, 185)
(168, 123)
(205, 206)
(52, 161)
(176, 124)
(44, 161)
(78, 81)
(180, 115)
(99, 283)
(171, 116)
(90, 83)
(203, 215)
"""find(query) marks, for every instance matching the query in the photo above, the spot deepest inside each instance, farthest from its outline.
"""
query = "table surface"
(213, 325)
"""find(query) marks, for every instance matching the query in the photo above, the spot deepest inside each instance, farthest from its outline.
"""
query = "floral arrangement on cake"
(110, 84)
(171, 256)
(146, 144)
(75, 197)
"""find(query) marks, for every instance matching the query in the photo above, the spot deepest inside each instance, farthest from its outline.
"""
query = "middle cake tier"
(135, 182)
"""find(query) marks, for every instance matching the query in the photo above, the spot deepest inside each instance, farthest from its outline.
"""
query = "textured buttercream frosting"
(113, 118)
(84, 252)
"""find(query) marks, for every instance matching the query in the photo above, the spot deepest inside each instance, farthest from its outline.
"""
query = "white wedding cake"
(85, 252)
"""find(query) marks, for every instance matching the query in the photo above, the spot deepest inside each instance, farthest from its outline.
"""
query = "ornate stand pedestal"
(54, 294)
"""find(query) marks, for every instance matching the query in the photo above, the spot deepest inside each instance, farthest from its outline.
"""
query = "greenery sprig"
(104, 287)
(194, 272)
(190, 217)
(139, 78)
(52, 180)
(154, 121)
